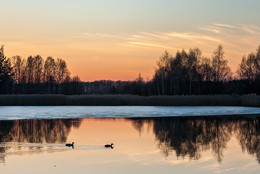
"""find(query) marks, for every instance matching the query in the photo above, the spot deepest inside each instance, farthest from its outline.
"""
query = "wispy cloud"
(224, 25)
(231, 29)
(170, 40)
(180, 35)
(211, 29)
(102, 35)
(150, 45)
(194, 36)
(251, 29)
(155, 35)
(154, 40)
(237, 40)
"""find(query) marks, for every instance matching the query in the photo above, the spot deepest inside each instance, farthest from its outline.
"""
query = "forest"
(185, 73)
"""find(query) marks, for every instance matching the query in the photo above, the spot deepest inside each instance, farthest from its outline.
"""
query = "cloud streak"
(224, 25)
(150, 45)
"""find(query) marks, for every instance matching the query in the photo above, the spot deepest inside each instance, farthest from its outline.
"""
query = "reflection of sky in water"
(158, 145)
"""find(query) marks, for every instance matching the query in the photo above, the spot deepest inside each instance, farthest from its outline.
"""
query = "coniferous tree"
(5, 72)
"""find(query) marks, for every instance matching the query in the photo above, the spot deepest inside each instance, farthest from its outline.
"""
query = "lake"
(50, 112)
(162, 144)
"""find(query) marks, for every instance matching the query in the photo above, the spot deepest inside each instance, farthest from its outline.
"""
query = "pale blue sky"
(127, 34)
(125, 15)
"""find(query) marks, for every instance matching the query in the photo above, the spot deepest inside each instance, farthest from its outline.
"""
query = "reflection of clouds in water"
(178, 162)
(141, 158)
(218, 168)
(185, 160)
(36, 148)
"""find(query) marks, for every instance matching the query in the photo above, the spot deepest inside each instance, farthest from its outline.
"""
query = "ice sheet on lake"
(49, 112)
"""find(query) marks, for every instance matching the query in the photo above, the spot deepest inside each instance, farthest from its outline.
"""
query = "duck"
(109, 145)
(70, 144)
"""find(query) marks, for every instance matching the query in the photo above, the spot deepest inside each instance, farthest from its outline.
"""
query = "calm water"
(45, 112)
(147, 145)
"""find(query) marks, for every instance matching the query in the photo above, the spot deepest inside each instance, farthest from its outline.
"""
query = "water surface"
(50, 112)
(142, 145)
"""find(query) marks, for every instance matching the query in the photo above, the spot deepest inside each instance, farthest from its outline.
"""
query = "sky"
(118, 39)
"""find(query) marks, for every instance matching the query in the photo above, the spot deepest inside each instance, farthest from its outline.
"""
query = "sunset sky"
(117, 39)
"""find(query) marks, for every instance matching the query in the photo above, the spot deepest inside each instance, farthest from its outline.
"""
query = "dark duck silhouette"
(109, 146)
(70, 144)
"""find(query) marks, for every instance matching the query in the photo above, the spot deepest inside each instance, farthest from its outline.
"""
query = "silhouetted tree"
(5, 72)
(49, 70)
(249, 67)
(163, 65)
(205, 70)
(17, 68)
(62, 70)
(220, 69)
(38, 64)
(36, 76)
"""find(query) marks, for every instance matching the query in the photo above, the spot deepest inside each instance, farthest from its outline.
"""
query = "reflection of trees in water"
(35, 131)
(189, 136)
(138, 124)
(248, 134)
(2, 156)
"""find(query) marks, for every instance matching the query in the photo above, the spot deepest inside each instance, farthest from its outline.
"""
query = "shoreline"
(233, 116)
(129, 100)
(134, 112)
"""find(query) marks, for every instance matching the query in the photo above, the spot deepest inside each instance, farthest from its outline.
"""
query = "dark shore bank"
(128, 100)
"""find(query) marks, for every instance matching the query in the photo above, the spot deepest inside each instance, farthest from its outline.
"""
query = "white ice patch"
(50, 112)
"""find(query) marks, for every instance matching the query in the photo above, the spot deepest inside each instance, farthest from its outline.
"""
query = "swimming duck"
(110, 145)
(70, 144)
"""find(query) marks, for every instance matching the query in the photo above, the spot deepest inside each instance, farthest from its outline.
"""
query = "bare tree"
(192, 66)
(18, 65)
(163, 66)
(257, 63)
(220, 68)
(49, 69)
(38, 66)
(30, 69)
(205, 69)
(249, 67)
(62, 70)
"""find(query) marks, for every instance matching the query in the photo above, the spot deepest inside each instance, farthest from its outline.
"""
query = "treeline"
(185, 73)
(188, 73)
(36, 75)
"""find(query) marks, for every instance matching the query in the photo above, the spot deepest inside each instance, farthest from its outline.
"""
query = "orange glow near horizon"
(91, 64)
(101, 56)
(118, 61)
